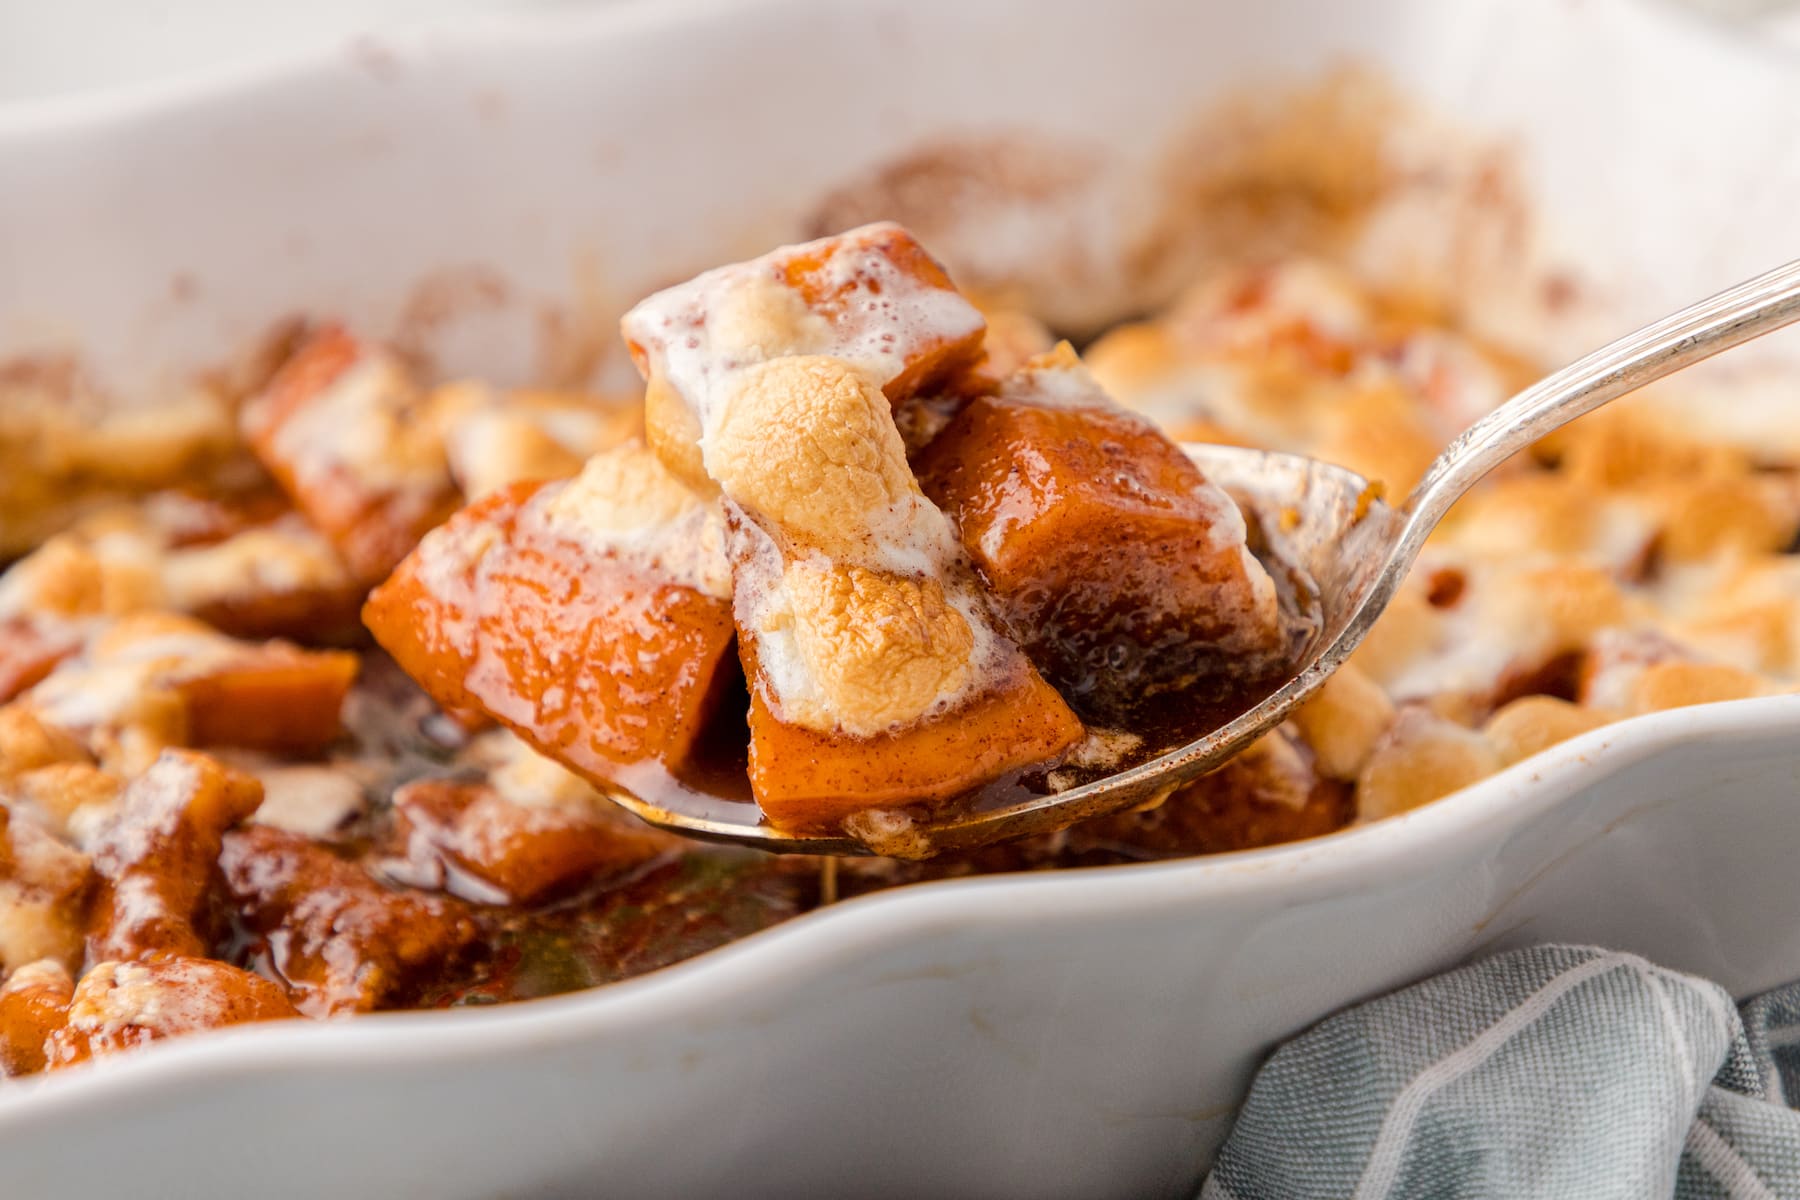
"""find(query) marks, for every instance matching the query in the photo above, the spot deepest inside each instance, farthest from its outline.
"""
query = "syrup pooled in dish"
(895, 651)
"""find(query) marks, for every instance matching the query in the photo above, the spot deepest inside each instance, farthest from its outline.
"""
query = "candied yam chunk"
(158, 859)
(281, 578)
(871, 297)
(27, 744)
(34, 1003)
(30, 648)
(876, 282)
(349, 434)
(340, 940)
(44, 888)
(157, 679)
(1110, 558)
(122, 1005)
(278, 699)
(1014, 337)
(246, 564)
(588, 616)
(810, 781)
(524, 853)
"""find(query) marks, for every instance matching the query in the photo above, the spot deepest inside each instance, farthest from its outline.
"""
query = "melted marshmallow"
(850, 581)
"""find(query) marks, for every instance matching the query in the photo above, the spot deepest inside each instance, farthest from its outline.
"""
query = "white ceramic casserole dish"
(1082, 1034)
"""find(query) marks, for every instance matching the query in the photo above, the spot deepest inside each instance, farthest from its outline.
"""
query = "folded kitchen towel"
(1549, 1072)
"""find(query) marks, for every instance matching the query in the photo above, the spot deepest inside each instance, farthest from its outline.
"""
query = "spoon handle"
(1736, 315)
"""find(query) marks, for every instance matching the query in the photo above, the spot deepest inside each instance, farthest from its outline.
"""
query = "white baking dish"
(1084, 1034)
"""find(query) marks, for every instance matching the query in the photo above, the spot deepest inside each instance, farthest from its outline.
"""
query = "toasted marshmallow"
(783, 372)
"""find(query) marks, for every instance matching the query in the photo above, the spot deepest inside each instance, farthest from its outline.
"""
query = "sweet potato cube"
(1112, 560)
(176, 682)
(30, 648)
(845, 278)
(886, 305)
(350, 436)
(596, 659)
(157, 858)
(808, 781)
(527, 852)
(245, 563)
(34, 1002)
(122, 1005)
(276, 698)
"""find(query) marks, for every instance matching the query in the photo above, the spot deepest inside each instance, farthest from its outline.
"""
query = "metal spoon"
(1356, 548)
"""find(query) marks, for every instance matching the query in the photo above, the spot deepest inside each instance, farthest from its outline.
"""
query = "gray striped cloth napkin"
(1549, 1072)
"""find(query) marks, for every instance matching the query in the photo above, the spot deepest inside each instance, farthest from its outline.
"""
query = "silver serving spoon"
(1356, 548)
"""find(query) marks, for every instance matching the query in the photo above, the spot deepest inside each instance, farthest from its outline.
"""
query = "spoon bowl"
(1331, 525)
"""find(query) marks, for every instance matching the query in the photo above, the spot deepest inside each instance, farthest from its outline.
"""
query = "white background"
(54, 47)
(51, 47)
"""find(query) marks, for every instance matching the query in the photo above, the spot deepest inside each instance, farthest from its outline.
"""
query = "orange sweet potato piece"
(1111, 560)
(808, 781)
(527, 852)
(30, 647)
(244, 562)
(318, 617)
(171, 680)
(271, 574)
(346, 432)
(44, 890)
(34, 1002)
(591, 659)
(275, 698)
(341, 940)
(123, 1005)
(874, 286)
(158, 859)
(817, 272)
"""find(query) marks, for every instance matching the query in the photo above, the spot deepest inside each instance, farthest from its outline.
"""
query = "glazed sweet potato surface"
(811, 781)
(1112, 560)
(598, 661)
(347, 433)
